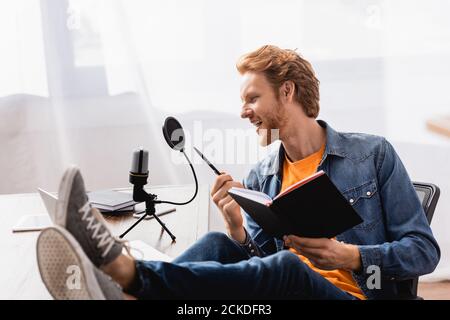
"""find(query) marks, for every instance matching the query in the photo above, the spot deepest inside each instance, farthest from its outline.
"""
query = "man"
(279, 91)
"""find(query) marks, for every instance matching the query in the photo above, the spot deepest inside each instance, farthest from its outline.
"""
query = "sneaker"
(86, 224)
(68, 273)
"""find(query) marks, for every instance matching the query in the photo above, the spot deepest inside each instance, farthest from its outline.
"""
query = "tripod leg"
(164, 227)
(134, 224)
(150, 209)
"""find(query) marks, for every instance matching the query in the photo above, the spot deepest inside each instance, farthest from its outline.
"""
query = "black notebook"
(312, 208)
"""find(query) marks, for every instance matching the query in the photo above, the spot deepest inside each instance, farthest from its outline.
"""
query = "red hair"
(281, 65)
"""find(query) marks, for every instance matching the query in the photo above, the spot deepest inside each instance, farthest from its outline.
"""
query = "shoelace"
(125, 243)
(104, 239)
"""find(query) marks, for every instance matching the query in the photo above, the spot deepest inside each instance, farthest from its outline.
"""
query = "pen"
(207, 161)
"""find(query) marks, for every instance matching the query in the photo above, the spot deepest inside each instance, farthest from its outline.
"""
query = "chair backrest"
(428, 194)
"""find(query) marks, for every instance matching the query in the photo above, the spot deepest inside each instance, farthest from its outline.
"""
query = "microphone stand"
(140, 195)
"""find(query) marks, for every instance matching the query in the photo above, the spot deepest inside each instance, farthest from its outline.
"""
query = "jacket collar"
(334, 147)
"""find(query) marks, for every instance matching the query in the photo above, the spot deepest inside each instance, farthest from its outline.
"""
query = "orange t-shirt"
(294, 172)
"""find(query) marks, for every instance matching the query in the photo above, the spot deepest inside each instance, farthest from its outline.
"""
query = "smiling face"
(262, 107)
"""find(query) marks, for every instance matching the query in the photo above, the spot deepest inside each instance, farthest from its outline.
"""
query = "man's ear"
(287, 91)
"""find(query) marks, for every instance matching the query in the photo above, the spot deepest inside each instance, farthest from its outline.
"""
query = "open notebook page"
(252, 195)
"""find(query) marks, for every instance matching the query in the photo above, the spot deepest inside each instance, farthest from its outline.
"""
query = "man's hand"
(231, 211)
(327, 254)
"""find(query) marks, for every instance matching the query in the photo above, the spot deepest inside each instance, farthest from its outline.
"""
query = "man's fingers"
(308, 242)
(311, 253)
(320, 264)
(223, 191)
(220, 180)
(224, 201)
(315, 255)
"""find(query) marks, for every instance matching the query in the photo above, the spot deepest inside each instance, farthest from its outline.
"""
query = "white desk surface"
(19, 275)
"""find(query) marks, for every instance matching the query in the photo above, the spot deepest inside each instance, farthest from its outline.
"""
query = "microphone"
(138, 178)
(139, 164)
(139, 173)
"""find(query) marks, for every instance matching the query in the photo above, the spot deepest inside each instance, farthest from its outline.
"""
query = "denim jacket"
(394, 236)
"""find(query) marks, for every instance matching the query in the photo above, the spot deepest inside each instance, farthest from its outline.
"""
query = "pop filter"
(173, 133)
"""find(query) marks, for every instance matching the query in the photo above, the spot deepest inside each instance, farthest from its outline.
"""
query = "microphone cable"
(196, 185)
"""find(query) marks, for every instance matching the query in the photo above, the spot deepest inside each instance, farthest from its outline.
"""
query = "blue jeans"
(215, 267)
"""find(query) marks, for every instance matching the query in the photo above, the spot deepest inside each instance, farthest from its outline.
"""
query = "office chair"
(429, 195)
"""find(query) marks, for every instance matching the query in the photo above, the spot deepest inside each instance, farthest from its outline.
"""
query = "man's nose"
(246, 112)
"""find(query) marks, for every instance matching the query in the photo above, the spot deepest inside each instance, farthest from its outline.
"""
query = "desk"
(19, 275)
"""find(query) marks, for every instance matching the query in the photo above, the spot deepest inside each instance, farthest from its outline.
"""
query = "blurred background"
(86, 82)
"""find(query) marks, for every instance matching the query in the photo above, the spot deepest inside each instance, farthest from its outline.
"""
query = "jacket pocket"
(365, 200)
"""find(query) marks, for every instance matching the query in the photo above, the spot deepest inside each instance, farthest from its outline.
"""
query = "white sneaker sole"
(65, 188)
(65, 270)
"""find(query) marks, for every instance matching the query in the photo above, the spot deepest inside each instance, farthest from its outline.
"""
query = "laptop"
(38, 222)
(50, 201)
(34, 222)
